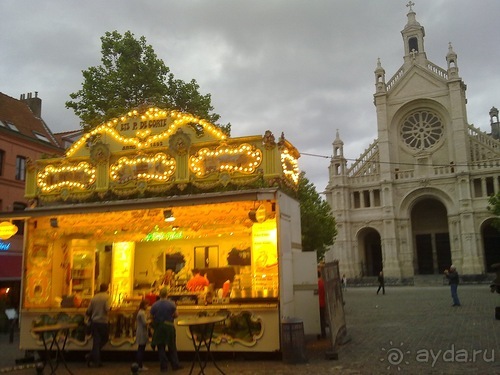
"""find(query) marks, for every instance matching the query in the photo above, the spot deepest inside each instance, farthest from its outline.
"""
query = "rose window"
(422, 130)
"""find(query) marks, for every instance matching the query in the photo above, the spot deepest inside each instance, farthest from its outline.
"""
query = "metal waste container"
(293, 342)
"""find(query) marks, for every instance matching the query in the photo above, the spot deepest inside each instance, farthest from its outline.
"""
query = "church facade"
(415, 201)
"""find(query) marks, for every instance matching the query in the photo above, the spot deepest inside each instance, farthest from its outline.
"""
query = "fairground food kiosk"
(140, 201)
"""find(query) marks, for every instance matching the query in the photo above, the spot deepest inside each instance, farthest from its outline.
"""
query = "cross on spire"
(410, 4)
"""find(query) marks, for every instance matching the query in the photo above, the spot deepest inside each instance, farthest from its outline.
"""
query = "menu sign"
(264, 246)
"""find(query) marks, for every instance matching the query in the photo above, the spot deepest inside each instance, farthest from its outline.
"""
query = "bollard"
(134, 368)
(39, 368)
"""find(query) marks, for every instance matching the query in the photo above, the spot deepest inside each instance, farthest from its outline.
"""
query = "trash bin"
(293, 342)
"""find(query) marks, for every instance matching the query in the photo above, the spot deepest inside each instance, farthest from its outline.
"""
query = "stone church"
(415, 201)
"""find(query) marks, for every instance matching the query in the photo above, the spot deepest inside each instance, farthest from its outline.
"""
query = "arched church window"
(413, 44)
(422, 130)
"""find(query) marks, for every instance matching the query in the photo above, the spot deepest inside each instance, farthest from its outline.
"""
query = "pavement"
(409, 330)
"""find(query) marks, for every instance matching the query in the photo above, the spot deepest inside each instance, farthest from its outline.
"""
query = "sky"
(301, 67)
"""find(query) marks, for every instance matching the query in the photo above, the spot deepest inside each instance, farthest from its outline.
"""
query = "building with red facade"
(24, 137)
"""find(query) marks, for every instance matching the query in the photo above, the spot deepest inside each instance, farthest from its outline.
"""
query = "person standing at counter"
(98, 313)
(168, 279)
(163, 312)
(197, 282)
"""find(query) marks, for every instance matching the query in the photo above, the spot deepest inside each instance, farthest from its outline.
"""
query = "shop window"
(2, 158)
(206, 256)
(376, 198)
(19, 206)
(174, 262)
(490, 189)
(239, 257)
(20, 168)
(357, 201)
(478, 191)
(366, 198)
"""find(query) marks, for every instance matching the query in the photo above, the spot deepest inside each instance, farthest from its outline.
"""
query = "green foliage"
(494, 207)
(132, 75)
(318, 225)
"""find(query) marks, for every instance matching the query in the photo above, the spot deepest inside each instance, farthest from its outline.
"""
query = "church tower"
(415, 201)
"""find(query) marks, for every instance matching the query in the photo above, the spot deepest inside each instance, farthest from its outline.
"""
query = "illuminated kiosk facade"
(148, 197)
(416, 200)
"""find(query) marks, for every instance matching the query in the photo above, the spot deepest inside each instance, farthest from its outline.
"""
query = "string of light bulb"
(179, 119)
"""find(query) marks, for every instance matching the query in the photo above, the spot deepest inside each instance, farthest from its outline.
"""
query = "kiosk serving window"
(206, 256)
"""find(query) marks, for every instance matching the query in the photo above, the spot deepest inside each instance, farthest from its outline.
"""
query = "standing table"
(54, 331)
(201, 330)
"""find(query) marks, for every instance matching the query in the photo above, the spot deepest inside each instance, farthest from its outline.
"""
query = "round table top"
(54, 327)
(201, 320)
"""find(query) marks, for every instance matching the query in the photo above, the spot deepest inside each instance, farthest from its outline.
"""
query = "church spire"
(451, 59)
(380, 78)
(338, 164)
(413, 38)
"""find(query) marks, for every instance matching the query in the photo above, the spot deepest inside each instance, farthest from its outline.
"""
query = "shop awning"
(11, 267)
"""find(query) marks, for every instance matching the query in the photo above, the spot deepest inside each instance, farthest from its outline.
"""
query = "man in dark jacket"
(452, 276)
(163, 312)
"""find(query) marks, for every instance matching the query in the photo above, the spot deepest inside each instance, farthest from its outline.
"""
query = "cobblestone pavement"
(409, 330)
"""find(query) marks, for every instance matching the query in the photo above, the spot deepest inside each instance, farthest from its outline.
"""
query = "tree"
(318, 225)
(494, 207)
(132, 75)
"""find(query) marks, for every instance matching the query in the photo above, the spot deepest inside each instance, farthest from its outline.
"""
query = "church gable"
(417, 82)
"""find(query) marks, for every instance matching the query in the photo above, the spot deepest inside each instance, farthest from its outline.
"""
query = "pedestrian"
(163, 312)
(141, 335)
(97, 312)
(344, 283)
(381, 282)
(322, 305)
(453, 280)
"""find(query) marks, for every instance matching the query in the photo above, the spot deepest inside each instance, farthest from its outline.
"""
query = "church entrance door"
(431, 237)
(372, 245)
(491, 243)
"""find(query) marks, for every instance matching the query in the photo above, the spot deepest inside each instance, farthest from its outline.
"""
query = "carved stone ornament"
(281, 141)
(179, 143)
(268, 140)
(99, 153)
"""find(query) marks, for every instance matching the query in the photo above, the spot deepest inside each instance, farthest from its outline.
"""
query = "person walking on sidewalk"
(98, 313)
(453, 280)
(381, 282)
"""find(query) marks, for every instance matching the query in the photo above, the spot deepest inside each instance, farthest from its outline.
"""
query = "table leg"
(59, 355)
(60, 351)
(47, 353)
(205, 339)
(208, 345)
(197, 357)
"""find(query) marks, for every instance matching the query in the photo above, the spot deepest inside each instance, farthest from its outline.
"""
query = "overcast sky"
(304, 67)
